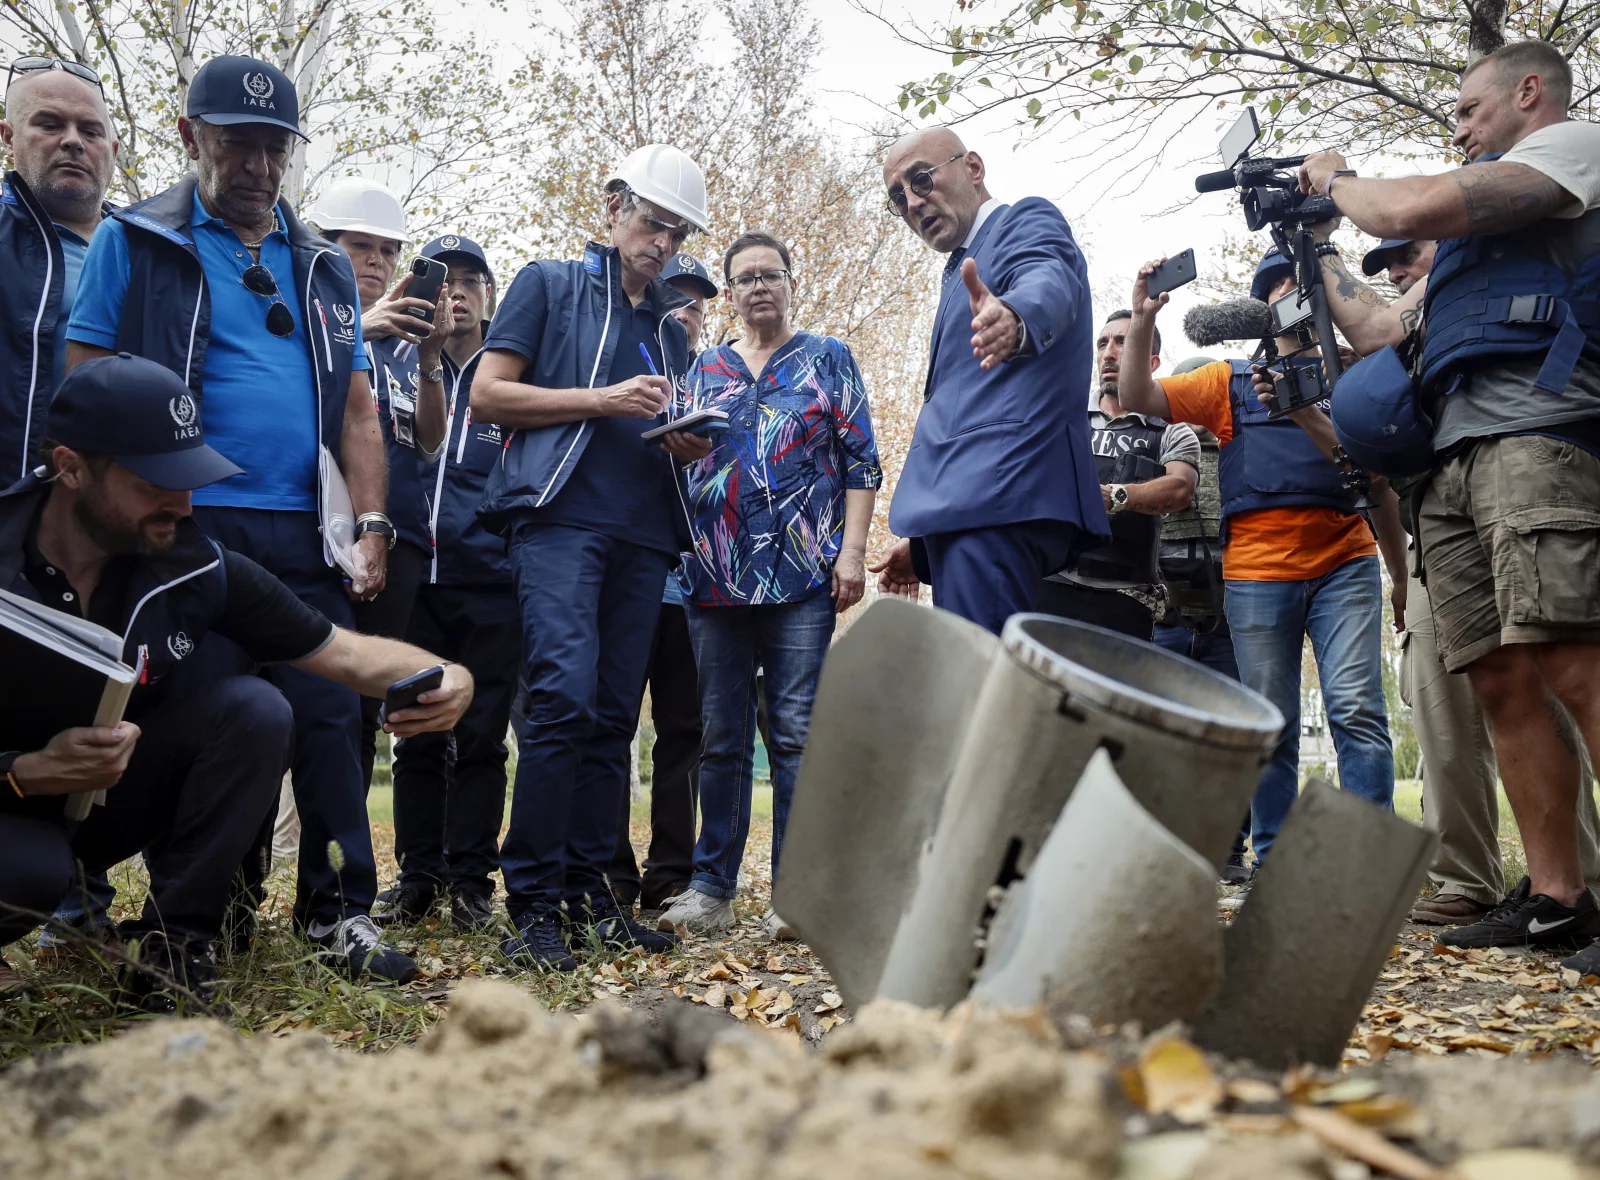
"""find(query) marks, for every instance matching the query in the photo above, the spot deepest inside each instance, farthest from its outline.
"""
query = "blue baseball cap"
(230, 90)
(1272, 267)
(688, 268)
(143, 416)
(447, 246)
(1377, 259)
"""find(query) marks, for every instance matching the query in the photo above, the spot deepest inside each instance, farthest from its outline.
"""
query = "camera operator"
(1298, 558)
(1147, 468)
(1509, 524)
(1406, 259)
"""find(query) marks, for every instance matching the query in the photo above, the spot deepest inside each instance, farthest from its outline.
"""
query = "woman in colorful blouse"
(779, 513)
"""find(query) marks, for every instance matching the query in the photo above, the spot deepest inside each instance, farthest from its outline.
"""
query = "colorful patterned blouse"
(767, 504)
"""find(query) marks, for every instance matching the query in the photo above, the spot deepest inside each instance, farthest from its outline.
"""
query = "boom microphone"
(1214, 182)
(1233, 319)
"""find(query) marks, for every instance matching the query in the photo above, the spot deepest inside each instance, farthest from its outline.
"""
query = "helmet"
(1193, 363)
(354, 203)
(1272, 267)
(664, 176)
(1378, 417)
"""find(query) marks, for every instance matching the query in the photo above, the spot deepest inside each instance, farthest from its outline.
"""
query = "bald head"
(59, 133)
(937, 161)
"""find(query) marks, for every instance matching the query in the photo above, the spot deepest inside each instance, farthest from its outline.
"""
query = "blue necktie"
(952, 265)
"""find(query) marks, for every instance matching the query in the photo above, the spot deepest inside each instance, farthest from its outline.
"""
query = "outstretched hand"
(1143, 306)
(995, 327)
(896, 573)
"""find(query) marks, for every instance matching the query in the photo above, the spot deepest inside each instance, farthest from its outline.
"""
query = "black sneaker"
(1586, 962)
(618, 931)
(1531, 919)
(539, 943)
(471, 909)
(1235, 871)
(404, 904)
(355, 949)
(167, 977)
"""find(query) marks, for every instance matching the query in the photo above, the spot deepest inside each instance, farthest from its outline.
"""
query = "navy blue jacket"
(166, 314)
(1011, 444)
(464, 552)
(576, 350)
(30, 301)
(394, 372)
(1271, 462)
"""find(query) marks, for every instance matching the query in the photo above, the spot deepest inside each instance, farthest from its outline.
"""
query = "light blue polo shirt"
(260, 404)
(73, 251)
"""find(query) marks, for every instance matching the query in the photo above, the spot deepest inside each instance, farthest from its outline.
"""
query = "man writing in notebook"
(190, 775)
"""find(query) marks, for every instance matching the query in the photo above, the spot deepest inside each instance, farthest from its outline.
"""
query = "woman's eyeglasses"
(921, 184)
(33, 64)
(767, 278)
(280, 320)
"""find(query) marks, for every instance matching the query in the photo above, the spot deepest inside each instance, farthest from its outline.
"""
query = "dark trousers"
(589, 605)
(674, 771)
(204, 773)
(388, 615)
(988, 575)
(1212, 647)
(1104, 608)
(328, 788)
(450, 788)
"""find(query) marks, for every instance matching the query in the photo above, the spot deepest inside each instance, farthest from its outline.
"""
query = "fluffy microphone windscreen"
(1233, 319)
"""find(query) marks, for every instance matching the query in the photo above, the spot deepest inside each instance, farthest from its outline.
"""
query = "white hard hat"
(666, 177)
(354, 203)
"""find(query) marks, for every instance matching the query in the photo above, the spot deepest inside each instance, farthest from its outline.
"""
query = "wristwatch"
(1119, 498)
(434, 374)
(1327, 189)
(375, 522)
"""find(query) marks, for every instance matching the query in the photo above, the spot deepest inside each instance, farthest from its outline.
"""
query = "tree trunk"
(1487, 27)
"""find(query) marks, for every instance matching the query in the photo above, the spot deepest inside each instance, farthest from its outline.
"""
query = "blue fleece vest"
(1272, 463)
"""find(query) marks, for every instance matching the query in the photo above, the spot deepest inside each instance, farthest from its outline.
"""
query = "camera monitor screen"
(1241, 137)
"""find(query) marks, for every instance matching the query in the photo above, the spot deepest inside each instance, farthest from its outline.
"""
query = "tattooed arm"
(1367, 319)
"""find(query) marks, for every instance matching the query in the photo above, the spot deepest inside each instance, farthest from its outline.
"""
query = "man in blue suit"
(999, 486)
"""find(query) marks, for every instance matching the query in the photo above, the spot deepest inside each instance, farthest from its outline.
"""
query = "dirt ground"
(737, 1057)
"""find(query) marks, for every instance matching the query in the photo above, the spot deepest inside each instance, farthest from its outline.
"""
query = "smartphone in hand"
(1171, 274)
(427, 279)
(403, 694)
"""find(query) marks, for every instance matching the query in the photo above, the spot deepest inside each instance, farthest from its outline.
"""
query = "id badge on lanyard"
(402, 410)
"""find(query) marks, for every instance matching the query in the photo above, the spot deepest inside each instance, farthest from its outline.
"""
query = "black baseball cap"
(450, 246)
(143, 416)
(688, 268)
(229, 90)
(1377, 258)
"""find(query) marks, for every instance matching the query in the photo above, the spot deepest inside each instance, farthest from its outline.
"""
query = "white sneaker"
(694, 912)
(776, 929)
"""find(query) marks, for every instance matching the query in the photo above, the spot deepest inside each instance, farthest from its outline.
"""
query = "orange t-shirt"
(1269, 544)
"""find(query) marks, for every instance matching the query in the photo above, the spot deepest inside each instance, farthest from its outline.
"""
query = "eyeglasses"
(679, 234)
(33, 64)
(921, 184)
(767, 278)
(280, 320)
(468, 282)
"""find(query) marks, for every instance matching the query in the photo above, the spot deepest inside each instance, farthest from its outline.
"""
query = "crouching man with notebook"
(102, 532)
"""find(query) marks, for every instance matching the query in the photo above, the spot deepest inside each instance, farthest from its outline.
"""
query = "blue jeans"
(1342, 612)
(787, 641)
(85, 907)
(589, 605)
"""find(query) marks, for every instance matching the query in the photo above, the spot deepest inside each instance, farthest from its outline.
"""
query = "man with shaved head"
(58, 133)
(999, 487)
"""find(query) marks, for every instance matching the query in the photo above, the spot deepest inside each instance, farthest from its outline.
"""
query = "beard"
(121, 537)
(1108, 388)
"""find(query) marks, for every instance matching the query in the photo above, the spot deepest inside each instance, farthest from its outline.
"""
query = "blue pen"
(650, 364)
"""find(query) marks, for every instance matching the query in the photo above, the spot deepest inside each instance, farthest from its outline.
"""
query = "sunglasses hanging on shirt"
(280, 320)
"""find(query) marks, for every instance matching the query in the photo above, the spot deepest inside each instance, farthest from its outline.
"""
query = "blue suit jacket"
(1012, 444)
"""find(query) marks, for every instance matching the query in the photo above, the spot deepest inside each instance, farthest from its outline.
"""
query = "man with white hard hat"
(580, 361)
(404, 341)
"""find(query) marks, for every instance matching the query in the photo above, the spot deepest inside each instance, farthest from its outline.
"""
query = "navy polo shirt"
(260, 403)
(622, 486)
(395, 387)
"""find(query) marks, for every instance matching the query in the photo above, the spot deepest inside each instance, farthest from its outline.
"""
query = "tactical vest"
(1191, 544)
(1527, 293)
(1127, 451)
(1272, 463)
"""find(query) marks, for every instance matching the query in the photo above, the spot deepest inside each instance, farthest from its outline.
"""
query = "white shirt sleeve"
(1569, 154)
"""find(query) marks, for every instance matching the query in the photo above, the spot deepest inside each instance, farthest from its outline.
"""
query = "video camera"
(1269, 191)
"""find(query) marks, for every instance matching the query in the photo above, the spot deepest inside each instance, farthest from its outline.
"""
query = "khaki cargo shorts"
(1510, 537)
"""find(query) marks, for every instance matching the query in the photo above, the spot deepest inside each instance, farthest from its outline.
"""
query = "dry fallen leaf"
(1377, 1046)
(1359, 1143)
(1176, 1079)
(715, 996)
(1252, 1092)
(830, 1001)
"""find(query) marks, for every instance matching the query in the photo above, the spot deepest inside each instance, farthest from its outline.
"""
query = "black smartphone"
(1172, 274)
(427, 278)
(403, 694)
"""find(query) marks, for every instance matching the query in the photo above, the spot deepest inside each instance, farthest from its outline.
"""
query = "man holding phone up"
(580, 361)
